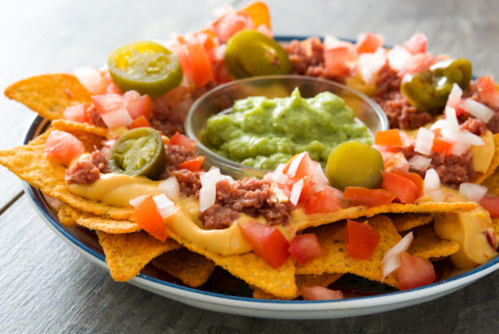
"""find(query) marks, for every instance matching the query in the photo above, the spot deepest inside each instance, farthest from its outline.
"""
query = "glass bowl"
(223, 97)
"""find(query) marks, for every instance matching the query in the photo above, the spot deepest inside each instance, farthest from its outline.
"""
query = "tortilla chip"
(408, 221)
(99, 223)
(49, 94)
(65, 217)
(337, 260)
(32, 165)
(427, 244)
(480, 177)
(127, 254)
(191, 268)
(303, 221)
(495, 224)
(492, 182)
(249, 267)
(80, 129)
(323, 280)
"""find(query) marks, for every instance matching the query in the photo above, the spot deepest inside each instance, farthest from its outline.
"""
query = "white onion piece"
(53, 202)
(228, 178)
(441, 123)
(296, 192)
(419, 162)
(320, 180)
(464, 137)
(135, 202)
(165, 207)
(277, 175)
(450, 115)
(424, 141)
(404, 138)
(117, 118)
(391, 260)
(432, 180)
(330, 42)
(170, 187)
(398, 57)
(369, 65)
(295, 163)
(208, 192)
(459, 148)
(473, 192)
(477, 109)
(437, 195)
(92, 79)
(455, 96)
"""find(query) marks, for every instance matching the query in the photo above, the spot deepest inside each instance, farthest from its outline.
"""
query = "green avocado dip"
(263, 133)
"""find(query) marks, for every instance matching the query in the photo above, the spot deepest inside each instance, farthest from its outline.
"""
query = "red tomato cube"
(320, 293)
(361, 240)
(367, 197)
(404, 189)
(306, 247)
(414, 272)
(149, 218)
(63, 147)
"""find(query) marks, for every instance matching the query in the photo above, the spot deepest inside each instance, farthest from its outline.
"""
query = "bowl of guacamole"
(248, 127)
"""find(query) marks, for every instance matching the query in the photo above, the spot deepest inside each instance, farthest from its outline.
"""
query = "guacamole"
(263, 133)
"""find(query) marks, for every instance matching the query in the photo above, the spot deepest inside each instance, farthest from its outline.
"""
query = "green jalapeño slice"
(139, 152)
(250, 53)
(147, 67)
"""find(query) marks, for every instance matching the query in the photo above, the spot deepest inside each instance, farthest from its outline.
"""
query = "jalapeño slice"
(250, 53)
(139, 152)
(147, 67)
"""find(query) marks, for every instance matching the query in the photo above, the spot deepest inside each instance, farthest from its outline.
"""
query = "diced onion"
(228, 178)
(92, 79)
(117, 118)
(295, 163)
(277, 175)
(464, 137)
(135, 202)
(398, 57)
(296, 192)
(477, 109)
(473, 192)
(459, 148)
(369, 65)
(441, 123)
(391, 260)
(455, 96)
(432, 180)
(450, 115)
(53, 202)
(419, 162)
(165, 207)
(170, 187)
(437, 195)
(424, 141)
(319, 179)
(208, 192)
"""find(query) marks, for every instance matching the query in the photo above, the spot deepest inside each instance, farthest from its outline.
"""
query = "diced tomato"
(149, 219)
(140, 122)
(395, 161)
(262, 28)
(442, 145)
(487, 91)
(320, 293)
(337, 55)
(388, 137)
(368, 43)
(370, 64)
(113, 110)
(198, 59)
(416, 178)
(404, 189)
(418, 63)
(267, 242)
(77, 113)
(367, 197)
(306, 247)
(63, 146)
(361, 240)
(181, 140)
(193, 164)
(230, 24)
(299, 166)
(138, 105)
(222, 74)
(179, 51)
(92, 79)
(416, 44)
(113, 89)
(258, 11)
(414, 272)
(324, 201)
(491, 204)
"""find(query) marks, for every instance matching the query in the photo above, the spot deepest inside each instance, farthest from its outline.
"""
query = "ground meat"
(398, 110)
(452, 169)
(176, 155)
(189, 182)
(248, 196)
(97, 118)
(167, 128)
(472, 93)
(99, 160)
(475, 126)
(82, 172)
(307, 57)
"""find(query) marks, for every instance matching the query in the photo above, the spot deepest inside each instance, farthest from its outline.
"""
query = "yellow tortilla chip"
(65, 217)
(191, 268)
(80, 129)
(337, 260)
(480, 177)
(305, 221)
(495, 224)
(492, 182)
(32, 165)
(323, 280)
(251, 269)
(99, 223)
(408, 221)
(127, 254)
(49, 94)
(427, 245)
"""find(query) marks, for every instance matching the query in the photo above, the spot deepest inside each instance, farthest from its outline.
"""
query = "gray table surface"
(47, 287)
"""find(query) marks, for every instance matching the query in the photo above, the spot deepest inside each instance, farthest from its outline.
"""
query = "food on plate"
(263, 133)
(114, 161)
